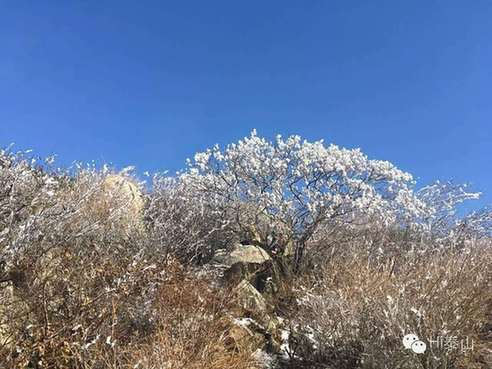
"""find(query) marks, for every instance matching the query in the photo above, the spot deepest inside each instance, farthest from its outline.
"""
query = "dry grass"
(184, 323)
(193, 330)
(356, 310)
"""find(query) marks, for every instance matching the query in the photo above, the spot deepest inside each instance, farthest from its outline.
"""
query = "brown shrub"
(355, 310)
(163, 318)
(73, 272)
(193, 330)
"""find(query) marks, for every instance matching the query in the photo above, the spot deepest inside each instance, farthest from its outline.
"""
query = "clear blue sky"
(150, 82)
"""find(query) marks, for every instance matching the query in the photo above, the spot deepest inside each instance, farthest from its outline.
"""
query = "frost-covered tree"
(293, 187)
(442, 222)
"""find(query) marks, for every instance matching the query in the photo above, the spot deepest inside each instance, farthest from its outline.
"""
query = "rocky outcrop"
(244, 254)
(251, 271)
(118, 198)
(243, 262)
(259, 315)
(126, 191)
(250, 299)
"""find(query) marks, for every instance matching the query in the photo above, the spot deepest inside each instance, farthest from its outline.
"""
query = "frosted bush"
(182, 224)
(441, 221)
(299, 186)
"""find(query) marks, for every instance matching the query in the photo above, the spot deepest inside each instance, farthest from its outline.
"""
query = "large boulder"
(260, 316)
(119, 199)
(123, 188)
(242, 262)
(250, 299)
(244, 254)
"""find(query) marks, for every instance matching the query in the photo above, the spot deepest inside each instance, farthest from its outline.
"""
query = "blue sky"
(149, 83)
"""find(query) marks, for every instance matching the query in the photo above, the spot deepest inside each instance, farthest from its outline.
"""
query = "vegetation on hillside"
(98, 270)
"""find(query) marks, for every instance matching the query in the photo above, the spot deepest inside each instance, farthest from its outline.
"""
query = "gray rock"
(250, 299)
(244, 254)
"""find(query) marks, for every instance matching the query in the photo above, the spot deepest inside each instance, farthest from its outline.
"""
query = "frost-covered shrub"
(298, 186)
(441, 222)
(43, 209)
(354, 311)
(291, 194)
(83, 273)
(75, 270)
(182, 224)
(26, 192)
